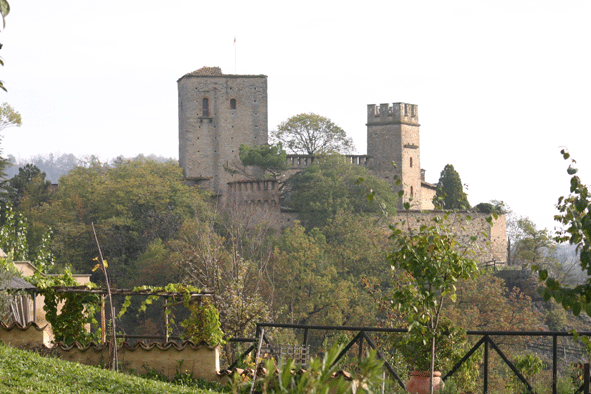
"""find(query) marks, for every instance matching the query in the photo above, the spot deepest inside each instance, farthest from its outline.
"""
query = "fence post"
(360, 348)
(554, 363)
(486, 364)
(586, 378)
(165, 319)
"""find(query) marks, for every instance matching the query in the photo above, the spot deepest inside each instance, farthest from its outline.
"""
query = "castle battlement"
(393, 113)
(252, 185)
(259, 193)
(297, 162)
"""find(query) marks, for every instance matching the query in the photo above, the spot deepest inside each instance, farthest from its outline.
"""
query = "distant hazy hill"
(54, 166)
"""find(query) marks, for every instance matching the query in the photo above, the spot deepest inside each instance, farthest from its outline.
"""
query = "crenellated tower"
(217, 113)
(393, 137)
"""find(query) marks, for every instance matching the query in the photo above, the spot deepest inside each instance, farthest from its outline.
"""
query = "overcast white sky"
(501, 85)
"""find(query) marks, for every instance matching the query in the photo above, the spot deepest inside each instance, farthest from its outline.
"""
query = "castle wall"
(218, 113)
(236, 113)
(428, 192)
(253, 192)
(491, 240)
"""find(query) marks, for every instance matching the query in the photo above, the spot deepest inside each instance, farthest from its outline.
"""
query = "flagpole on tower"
(235, 72)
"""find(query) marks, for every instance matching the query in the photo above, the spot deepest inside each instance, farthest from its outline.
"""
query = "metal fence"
(487, 340)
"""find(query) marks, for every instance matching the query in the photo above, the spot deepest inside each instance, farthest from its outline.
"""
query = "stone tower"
(217, 113)
(393, 137)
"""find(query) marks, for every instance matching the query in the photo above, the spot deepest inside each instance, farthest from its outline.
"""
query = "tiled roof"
(217, 72)
(136, 346)
(18, 326)
(16, 283)
(207, 72)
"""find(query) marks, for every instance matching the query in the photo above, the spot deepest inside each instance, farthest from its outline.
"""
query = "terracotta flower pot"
(419, 382)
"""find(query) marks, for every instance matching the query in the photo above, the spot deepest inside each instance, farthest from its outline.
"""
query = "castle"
(219, 112)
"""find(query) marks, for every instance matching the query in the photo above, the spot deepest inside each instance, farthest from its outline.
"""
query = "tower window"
(205, 107)
(233, 104)
(411, 162)
(412, 191)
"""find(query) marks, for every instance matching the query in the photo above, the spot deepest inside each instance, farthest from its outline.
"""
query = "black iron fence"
(487, 340)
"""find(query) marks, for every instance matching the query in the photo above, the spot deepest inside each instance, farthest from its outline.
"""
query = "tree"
(309, 288)
(131, 203)
(29, 184)
(270, 158)
(233, 268)
(530, 245)
(485, 303)
(450, 193)
(311, 134)
(8, 118)
(493, 206)
(331, 185)
(574, 213)
(431, 261)
(4, 10)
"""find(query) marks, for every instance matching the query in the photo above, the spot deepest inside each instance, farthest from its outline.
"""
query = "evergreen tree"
(450, 193)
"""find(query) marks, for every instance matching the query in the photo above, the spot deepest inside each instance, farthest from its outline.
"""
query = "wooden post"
(35, 307)
(103, 320)
(165, 319)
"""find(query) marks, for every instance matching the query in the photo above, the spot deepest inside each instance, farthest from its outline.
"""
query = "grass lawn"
(28, 372)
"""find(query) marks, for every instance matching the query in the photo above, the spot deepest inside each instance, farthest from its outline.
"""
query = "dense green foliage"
(7, 272)
(575, 215)
(270, 158)
(320, 377)
(321, 275)
(203, 323)
(450, 191)
(497, 207)
(4, 10)
(8, 118)
(311, 134)
(431, 261)
(27, 372)
(155, 230)
(331, 185)
(28, 187)
(530, 245)
(131, 203)
(68, 313)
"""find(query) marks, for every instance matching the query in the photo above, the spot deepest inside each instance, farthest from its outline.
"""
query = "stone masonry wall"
(393, 137)
(210, 136)
(491, 242)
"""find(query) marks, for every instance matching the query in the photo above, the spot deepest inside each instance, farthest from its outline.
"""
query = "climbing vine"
(203, 324)
(78, 309)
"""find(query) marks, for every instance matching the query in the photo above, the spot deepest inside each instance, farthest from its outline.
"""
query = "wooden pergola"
(19, 310)
(83, 289)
